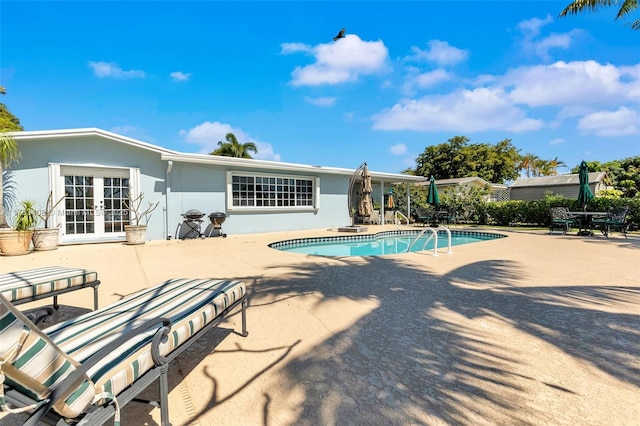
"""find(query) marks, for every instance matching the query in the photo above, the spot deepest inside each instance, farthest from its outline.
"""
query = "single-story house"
(568, 185)
(95, 169)
(499, 192)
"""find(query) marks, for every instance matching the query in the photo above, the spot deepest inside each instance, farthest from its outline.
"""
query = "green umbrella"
(584, 194)
(433, 198)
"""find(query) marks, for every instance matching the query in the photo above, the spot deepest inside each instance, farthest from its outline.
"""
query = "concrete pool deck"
(527, 330)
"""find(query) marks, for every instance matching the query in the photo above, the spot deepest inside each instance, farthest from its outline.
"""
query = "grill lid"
(193, 214)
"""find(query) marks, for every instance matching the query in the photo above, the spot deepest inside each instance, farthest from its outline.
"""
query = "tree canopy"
(233, 148)
(458, 158)
(622, 175)
(8, 121)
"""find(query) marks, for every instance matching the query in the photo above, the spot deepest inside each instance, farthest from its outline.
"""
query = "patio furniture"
(614, 220)
(84, 370)
(389, 217)
(585, 221)
(422, 216)
(561, 218)
(374, 219)
(39, 283)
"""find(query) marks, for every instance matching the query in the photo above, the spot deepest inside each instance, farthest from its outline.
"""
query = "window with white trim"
(272, 191)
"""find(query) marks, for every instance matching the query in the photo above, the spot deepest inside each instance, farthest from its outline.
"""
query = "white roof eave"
(276, 165)
(168, 154)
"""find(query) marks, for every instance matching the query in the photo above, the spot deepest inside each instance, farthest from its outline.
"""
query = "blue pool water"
(382, 243)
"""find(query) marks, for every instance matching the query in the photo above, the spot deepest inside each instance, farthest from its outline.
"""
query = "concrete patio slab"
(531, 329)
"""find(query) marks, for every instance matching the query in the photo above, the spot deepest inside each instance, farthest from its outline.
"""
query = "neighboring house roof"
(168, 154)
(463, 181)
(567, 179)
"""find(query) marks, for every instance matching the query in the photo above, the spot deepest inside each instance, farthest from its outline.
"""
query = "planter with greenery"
(136, 232)
(16, 241)
(47, 238)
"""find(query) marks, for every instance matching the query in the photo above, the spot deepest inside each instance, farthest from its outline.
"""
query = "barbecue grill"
(217, 219)
(191, 226)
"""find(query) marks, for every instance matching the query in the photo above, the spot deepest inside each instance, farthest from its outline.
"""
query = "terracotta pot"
(45, 239)
(136, 234)
(14, 243)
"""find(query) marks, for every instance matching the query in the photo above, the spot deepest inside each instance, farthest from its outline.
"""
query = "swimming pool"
(380, 244)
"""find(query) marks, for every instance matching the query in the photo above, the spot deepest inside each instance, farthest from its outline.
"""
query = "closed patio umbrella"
(365, 207)
(584, 194)
(433, 198)
(390, 202)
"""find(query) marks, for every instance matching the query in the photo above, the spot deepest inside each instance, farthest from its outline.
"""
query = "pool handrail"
(397, 221)
(435, 241)
(435, 234)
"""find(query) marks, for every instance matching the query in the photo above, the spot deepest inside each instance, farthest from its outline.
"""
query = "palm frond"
(627, 7)
(579, 6)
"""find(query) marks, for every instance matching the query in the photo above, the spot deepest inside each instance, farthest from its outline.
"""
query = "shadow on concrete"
(420, 358)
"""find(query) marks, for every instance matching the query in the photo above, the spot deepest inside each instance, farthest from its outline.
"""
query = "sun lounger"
(85, 369)
(34, 284)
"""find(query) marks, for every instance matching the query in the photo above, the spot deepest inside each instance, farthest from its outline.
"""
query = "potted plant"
(47, 238)
(16, 241)
(136, 232)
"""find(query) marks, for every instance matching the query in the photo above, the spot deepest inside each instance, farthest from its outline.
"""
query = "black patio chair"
(561, 218)
(614, 221)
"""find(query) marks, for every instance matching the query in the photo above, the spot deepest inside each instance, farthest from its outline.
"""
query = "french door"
(95, 203)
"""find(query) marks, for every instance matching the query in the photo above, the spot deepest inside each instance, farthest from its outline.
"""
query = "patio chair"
(84, 370)
(374, 219)
(389, 217)
(561, 218)
(615, 220)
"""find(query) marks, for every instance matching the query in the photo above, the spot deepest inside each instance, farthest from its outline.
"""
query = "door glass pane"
(115, 213)
(78, 216)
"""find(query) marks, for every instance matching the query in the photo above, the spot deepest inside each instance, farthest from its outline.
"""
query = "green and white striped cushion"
(35, 282)
(35, 366)
(190, 304)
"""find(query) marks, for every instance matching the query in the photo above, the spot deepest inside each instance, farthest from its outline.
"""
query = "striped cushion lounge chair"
(83, 370)
(34, 284)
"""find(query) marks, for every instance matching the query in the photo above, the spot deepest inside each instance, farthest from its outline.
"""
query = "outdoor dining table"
(585, 221)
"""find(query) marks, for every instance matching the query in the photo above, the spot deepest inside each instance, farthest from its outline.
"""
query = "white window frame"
(314, 207)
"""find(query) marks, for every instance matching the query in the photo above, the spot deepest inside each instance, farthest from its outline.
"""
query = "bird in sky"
(340, 34)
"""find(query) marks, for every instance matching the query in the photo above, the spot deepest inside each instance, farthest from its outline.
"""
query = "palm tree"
(233, 148)
(528, 163)
(8, 154)
(554, 164)
(626, 7)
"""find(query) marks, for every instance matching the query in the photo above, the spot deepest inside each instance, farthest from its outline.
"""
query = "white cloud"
(207, 135)
(557, 141)
(398, 149)
(322, 101)
(348, 116)
(424, 80)
(540, 46)
(622, 122)
(113, 70)
(572, 84)
(180, 76)
(531, 27)
(579, 90)
(288, 48)
(439, 52)
(338, 62)
(464, 111)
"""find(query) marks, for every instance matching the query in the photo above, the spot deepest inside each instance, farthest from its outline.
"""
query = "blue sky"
(407, 75)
